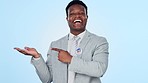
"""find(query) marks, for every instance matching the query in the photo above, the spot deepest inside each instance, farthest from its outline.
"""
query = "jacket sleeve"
(97, 66)
(43, 68)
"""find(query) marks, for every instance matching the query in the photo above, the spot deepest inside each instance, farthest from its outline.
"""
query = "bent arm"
(97, 66)
(42, 70)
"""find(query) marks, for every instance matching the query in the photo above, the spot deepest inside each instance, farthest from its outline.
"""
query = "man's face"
(77, 17)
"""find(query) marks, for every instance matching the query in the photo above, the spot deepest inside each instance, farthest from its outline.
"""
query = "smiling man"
(79, 57)
(77, 17)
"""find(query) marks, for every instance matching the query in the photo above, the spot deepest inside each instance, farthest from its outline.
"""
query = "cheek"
(70, 20)
(85, 19)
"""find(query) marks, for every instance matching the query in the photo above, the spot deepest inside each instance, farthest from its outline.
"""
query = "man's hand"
(29, 51)
(63, 55)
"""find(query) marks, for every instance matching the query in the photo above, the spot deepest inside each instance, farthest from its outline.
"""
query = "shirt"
(71, 75)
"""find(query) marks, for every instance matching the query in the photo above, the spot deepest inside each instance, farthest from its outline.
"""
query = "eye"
(72, 14)
(79, 13)
(82, 13)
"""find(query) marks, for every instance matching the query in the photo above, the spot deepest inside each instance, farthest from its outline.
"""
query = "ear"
(86, 17)
(67, 18)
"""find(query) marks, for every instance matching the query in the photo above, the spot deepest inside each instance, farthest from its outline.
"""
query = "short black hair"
(73, 2)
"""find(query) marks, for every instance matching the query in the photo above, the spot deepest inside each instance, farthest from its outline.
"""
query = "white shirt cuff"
(36, 58)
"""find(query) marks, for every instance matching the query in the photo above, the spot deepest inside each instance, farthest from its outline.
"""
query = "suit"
(89, 66)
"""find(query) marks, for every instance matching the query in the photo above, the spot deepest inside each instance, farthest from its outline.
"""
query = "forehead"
(76, 7)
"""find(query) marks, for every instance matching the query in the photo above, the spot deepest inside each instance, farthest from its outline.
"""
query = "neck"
(76, 32)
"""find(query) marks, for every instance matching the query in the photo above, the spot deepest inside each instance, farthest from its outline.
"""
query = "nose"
(77, 15)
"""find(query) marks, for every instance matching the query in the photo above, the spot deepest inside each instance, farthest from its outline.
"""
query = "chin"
(78, 29)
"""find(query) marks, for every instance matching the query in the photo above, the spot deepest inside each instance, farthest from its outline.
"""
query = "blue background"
(35, 23)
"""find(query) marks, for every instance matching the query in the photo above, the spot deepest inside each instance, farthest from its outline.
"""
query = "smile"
(77, 21)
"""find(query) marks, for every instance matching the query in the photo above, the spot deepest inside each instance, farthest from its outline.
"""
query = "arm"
(44, 73)
(39, 63)
(97, 66)
(43, 68)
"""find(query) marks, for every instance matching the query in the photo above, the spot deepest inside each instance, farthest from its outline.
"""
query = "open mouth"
(77, 21)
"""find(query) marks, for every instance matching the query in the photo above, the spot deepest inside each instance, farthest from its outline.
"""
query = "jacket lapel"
(84, 41)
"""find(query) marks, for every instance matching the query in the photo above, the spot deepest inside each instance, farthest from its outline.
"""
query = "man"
(79, 57)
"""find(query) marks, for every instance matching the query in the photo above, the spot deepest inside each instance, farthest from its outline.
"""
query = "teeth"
(77, 21)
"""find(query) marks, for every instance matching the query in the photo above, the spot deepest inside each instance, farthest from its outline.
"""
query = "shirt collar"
(80, 35)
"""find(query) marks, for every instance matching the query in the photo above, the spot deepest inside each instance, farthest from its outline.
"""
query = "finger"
(15, 48)
(56, 49)
(27, 48)
(21, 50)
(18, 49)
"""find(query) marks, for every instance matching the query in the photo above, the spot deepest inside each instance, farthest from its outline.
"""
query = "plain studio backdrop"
(35, 23)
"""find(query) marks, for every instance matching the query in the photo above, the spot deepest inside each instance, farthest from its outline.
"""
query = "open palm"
(28, 51)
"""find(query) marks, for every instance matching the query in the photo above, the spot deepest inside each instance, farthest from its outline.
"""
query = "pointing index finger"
(56, 49)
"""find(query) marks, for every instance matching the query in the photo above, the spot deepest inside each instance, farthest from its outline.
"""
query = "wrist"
(36, 56)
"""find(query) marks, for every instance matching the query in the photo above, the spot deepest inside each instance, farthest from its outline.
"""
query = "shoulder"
(98, 41)
(59, 41)
(95, 37)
